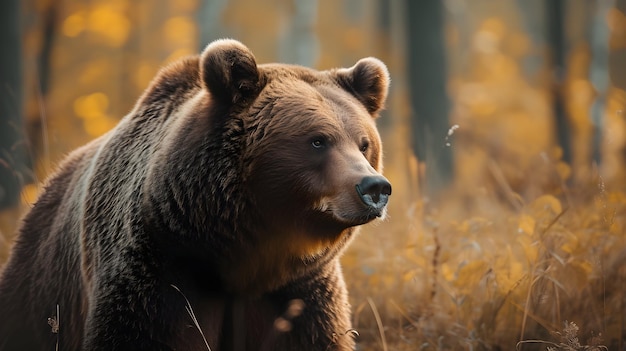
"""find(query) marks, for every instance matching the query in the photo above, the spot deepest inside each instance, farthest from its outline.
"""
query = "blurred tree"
(533, 16)
(599, 71)
(617, 68)
(299, 44)
(617, 57)
(555, 13)
(427, 81)
(12, 145)
(38, 86)
(209, 21)
(578, 35)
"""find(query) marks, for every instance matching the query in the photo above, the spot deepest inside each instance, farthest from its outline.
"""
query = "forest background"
(504, 135)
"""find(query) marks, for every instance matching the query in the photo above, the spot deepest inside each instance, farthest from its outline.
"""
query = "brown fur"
(229, 185)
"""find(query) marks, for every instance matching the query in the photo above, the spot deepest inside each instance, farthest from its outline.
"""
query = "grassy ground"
(485, 268)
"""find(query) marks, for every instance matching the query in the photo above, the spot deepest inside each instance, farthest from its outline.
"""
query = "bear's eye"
(318, 143)
(364, 146)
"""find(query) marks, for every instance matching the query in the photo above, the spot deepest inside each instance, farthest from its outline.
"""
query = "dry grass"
(493, 265)
(489, 268)
(485, 268)
(192, 315)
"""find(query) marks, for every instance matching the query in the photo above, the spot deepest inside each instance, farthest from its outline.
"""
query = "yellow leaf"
(508, 271)
(74, 24)
(529, 247)
(556, 153)
(110, 23)
(546, 204)
(473, 224)
(526, 225)
(564, 170)
(572, 246)
(374, 280)
(179, 31)
(470, 274)
(447, 272)
(410, 275)
(91, 106)
(179, 53)
(144, 73)
(30, 192)
(98, 126)
(616, 197)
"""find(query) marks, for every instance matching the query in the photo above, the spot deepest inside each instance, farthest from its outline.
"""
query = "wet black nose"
(374, 191)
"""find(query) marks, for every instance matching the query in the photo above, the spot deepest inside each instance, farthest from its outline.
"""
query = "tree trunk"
(12, 145)
(427, 81)
(555, 13)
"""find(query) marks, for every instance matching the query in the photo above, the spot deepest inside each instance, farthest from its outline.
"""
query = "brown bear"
(211, 217)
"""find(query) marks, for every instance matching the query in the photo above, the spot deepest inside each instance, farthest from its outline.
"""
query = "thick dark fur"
(208, 191)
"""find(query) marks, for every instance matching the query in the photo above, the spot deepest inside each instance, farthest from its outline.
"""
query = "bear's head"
(312, 156)
(289, 158)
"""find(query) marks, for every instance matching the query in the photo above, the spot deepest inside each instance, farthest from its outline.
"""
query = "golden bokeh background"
(527, 238)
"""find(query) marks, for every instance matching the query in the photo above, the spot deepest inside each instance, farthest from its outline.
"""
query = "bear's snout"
(374, 191)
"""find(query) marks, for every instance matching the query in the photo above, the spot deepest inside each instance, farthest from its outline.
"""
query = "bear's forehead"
(315, 101)
(278, 70)
(344, 105)
(302, 101)
(308, 87)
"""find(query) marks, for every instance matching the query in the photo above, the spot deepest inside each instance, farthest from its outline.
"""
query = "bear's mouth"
(352, 215)
(367, 216)
(352, 219)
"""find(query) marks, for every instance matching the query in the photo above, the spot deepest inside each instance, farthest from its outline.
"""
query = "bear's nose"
(374, 191)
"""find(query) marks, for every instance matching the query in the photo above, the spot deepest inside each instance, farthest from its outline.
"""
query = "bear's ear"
(229, 71)
(368, 81)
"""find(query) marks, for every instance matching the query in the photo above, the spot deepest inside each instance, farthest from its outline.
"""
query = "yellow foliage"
(529, 247)
(409, 275)
(494, 25)
(106, 19)
(179, 53)
(99, 126)
(526, 224)
(30, 192)
(92, 109)
(179, 31)
(473, 224)
(563, 170)
(519, 45)
(184, 5)
(74, 24)
(110, 23)
(144, 74)
(416, 257)
(616, 197)
(616, 21)
(91, 106)
(503, 68)
(572, 246)
(447, 272)
(546, 206)
(470, 274)
(509, 272)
